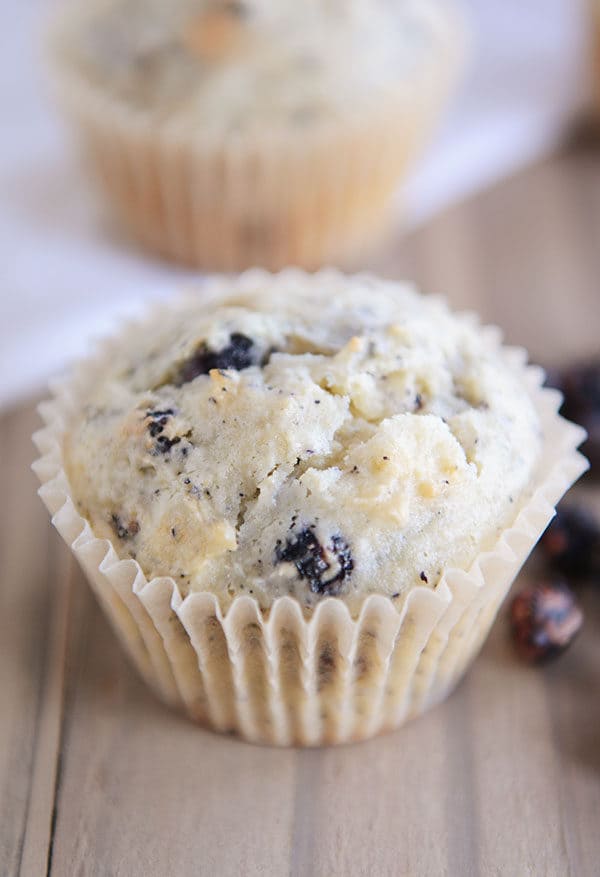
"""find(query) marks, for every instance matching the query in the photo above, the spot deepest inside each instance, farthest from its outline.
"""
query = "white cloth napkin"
(65, 278)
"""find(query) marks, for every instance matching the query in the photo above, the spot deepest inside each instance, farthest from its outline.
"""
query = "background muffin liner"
(286, 677)
(302, 195)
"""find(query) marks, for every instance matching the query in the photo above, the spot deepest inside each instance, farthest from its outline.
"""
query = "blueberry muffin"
(336, 459)
(305, 447)
(254, 132)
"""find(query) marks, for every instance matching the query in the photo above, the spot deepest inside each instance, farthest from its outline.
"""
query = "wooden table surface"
(97, 778)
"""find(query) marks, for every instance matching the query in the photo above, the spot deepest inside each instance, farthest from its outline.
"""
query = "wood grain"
(97, 778)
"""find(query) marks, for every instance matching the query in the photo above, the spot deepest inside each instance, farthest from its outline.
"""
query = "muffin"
(229, 134)
(302, 498)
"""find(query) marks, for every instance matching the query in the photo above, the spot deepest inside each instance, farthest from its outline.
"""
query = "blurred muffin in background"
(228, 133)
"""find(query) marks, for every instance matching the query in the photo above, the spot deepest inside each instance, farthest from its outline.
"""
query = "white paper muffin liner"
(282, 677)
(274, 198)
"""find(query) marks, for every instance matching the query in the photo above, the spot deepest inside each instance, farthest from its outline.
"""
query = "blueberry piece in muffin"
(156, 422)
(239, 354)
(323, 567)
(122, 529)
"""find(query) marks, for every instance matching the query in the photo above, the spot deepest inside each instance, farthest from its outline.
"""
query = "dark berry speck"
(164, 444)
(124, 530)
(324, 568)
(157, 420)
(239, 354)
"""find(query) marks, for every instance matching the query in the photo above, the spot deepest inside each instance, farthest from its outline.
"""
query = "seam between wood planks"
(49, 731)
(72, 646)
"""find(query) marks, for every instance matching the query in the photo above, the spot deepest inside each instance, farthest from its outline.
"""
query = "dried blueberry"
(239, 354)
(572, 542)
(580, 386)
(324, 568)
(545, 619)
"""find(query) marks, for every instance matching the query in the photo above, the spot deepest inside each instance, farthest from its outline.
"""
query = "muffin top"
(237, 65)
(308, 436)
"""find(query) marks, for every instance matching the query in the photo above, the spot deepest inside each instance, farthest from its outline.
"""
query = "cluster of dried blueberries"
(546, 617)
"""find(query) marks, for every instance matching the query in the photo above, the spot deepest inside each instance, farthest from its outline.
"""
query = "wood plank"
(97, 778)
(525, 255)
(39, 827)
(573, 691)
(24, 607)
(144, 792)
